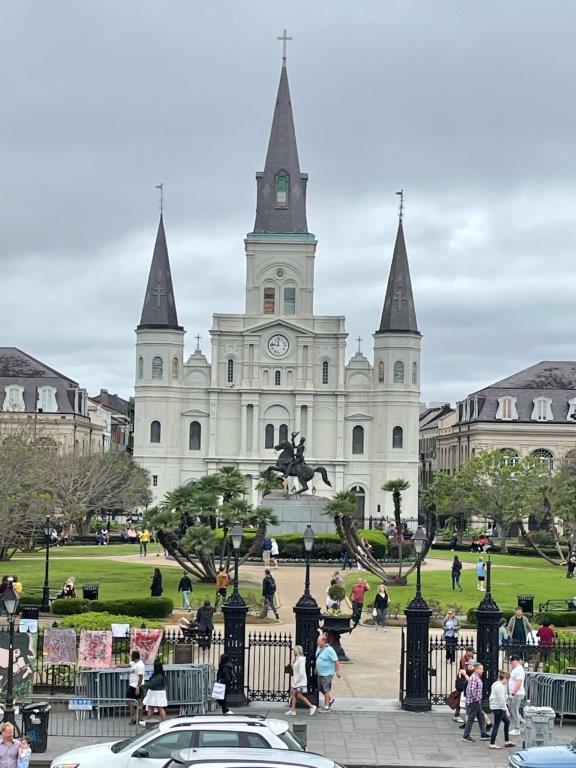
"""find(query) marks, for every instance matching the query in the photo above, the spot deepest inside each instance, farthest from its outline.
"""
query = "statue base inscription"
(297, 511)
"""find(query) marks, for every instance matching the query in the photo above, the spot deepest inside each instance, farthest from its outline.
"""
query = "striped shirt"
(474, 689)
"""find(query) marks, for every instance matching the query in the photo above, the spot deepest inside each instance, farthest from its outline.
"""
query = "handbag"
(288, 669)
(453, 700)
(460, 684)
(374, 612)
(219, 691)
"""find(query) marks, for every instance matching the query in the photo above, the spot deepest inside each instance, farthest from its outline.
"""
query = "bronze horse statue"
(291, 463)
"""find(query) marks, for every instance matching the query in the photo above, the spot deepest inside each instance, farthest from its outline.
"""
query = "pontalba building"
(278, 368)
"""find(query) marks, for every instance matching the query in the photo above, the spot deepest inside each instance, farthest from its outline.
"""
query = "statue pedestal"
(295, 512)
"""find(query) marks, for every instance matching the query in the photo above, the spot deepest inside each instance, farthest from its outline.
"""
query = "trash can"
(526, 602)
(29, 611)
(539, 726)
(90, 591)
(35, 722)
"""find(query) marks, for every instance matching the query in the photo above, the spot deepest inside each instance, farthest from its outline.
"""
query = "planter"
(334, 627)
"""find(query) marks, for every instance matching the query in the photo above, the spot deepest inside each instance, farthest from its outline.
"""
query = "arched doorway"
(360, 505)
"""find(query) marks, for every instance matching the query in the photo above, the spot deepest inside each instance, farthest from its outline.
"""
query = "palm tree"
(341, 508)
(232, 483)
(269, 480)
(261, 517)
(395, 487)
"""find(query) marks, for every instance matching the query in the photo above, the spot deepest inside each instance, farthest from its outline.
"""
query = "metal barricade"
(88, 717)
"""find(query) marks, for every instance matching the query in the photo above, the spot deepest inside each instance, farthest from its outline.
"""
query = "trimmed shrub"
(102, 621)
(68, 606)
(557, 618)
(151, 608)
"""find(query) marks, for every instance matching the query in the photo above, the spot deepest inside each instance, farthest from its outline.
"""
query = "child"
(24, 753)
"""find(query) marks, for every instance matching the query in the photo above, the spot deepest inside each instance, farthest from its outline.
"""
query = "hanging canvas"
(95, 650)
(60, 646)
(147, 642)
(25, 644)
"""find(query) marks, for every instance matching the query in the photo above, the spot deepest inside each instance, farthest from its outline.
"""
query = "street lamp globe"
(236, 535)
(11, 599)
(48, 527)
(308, 537)
(418, 540)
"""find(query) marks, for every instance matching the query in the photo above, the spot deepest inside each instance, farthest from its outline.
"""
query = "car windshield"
(291, 741)
(135, 741)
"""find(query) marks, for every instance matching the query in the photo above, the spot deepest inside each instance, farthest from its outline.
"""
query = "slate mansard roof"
(555, 380)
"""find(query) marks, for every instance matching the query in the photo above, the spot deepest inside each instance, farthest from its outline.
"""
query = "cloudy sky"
(469, 106)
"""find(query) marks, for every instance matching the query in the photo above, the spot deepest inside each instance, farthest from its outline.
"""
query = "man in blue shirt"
(326, 665)
(481, 574)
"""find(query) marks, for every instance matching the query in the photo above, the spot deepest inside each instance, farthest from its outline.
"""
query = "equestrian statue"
(291, 463)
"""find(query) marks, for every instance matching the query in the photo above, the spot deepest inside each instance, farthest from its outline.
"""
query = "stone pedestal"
(295, 512)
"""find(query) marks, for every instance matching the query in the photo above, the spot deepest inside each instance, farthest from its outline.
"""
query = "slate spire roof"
(271, 215)
(159, 309)
(399, 313)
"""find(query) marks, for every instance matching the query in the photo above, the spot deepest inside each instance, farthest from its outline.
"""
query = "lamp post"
(235, 610)
(11, 600)
(417, 631)
(488, 617)
(47, 528)
(307, 614)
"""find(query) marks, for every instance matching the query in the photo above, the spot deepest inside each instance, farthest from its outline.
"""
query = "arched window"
(360, 505)
(414, 373)
(269, 300)
(510, 456)
(397, 437)
(140, 367)
(277, 378)
(157, 367)
(381, 371)
(398, 372)
(283, 433)
(358, 439)
(281, 184)
(269, 436)
(506, 409)
(230, 371)
(175, 368)
(546, 457)
(542, 409)
(14, 400)
(289, 300)
(325, 372)
(47, 400)
(155, 432)
(195, 437)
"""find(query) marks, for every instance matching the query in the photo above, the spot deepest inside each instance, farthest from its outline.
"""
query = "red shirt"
(358, 592)
(546, 635)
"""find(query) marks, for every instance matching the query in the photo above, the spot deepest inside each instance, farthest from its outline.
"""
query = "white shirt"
(517, 674)
(299, 679)
(275, 551)
(137, 668)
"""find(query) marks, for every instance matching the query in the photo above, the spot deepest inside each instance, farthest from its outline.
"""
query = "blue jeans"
(268, 604)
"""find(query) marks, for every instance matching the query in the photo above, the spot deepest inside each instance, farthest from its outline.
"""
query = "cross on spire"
(160, 292)
(399, 296)
(161, 188)
(401, 208)
(284, 39)
(359, 340)
(198, 337)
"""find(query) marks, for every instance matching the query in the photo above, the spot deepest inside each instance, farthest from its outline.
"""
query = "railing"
(85, 718)
(267, 654)
(443, 660)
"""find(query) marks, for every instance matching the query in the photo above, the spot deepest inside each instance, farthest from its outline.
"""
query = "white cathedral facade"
(278, 368)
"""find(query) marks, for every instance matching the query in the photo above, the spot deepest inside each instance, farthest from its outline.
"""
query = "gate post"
(235, 610)
(417, 698)
(488, 617)
(307, 614)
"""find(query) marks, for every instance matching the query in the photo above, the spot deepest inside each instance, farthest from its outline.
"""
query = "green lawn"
(88, 550)
(472, 557)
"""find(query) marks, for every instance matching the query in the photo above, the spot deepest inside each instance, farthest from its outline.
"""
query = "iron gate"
(267, 655)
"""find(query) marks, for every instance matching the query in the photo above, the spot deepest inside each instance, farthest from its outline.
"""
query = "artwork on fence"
(147, 641)
(120, 630)
(60, 646)
(95, 650)
(24, 657)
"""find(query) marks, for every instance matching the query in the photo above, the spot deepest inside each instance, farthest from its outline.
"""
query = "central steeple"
(281, 188)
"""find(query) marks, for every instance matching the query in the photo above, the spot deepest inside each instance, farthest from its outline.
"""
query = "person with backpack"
(225, 675)
(268, 592)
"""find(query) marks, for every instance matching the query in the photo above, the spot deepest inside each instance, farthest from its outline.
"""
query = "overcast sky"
(469, 106)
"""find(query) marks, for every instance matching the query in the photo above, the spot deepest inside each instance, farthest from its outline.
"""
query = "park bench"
(558, 605)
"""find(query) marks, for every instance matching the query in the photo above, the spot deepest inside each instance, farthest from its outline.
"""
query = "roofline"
(54, 371)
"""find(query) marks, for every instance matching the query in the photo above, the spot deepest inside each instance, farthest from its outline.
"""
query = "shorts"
(131, 693)
(300, 689)
(481, 578)
(222, 591)
(325, 683)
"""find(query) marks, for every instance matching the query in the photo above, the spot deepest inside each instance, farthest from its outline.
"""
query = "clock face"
(278, 345)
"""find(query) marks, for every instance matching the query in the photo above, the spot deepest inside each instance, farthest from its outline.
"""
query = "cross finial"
(198, 337)
(359, 340)
(161, 188)
(401, 209)
(284, 39)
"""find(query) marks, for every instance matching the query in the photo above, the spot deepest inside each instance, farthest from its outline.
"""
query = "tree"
(269, 480)
(395, 487)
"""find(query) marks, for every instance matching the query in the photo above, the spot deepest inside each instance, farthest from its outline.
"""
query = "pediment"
(195, 412)
(278, 323)
(358, 417)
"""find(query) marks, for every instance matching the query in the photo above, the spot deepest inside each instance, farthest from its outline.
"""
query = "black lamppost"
(488, 617)
(47, 528)
(307, 615)
(418, 614)
(235, 610)
(11, 600)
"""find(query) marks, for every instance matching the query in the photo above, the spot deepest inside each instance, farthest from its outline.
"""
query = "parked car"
(247, 758)
(153, 747)
(545, 757)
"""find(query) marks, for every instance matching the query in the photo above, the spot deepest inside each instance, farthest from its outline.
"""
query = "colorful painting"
(60, 646)
(147, 641)
(95, 650)
(23, 664)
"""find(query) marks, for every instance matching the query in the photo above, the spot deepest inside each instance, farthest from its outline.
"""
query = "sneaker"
(463, 724)
(509, 744)
(142, 723)
(229, 712)
(331, 703)
(457, 719)
(494, 746)
(313, 709)
(485, 737)
(290, 713)
(468, 739)
(514, 733)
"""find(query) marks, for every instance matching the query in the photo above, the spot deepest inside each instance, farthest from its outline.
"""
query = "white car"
(247, 758)
(153, 747)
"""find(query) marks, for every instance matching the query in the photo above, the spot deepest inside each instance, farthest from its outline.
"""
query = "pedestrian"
(225, 675)
(327, 665)
(473, 705)
(155, 697)
(143, 539)
(24, 752)
(185, 586)
(480, 574)
(337, 577)
(571, 565)
(274, 552)
(135, 682)
(503, 641)
(268, 592)
(266, 550)
(546, 642)
(516, 693)
(156, 588)
(451, 626)
(18, 586)
(519, 628)
(456, 571)
(344, 556)
(332, 602)
(381, 607)
(357, 599)
(299, 682)
(465, 669)
(222, 584)
(205, 622)
(453, 542)
(9, 747)
(499, 707)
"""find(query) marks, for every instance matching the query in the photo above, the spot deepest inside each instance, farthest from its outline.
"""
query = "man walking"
(266, 550)
(473, 705)
(357, 599)
(135, 683)
(144, 538)
(185, 586)
(222, 583)
(516, 693)
(327, 665)
(480, 575)
(9, 747)
(519, 628)
(268, 592)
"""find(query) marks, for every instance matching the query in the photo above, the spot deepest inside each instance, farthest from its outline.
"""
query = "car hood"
(93, 749)
(278, 727)
(542, 757)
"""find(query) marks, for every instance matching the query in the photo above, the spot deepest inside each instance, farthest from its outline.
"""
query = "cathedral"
(277, 368)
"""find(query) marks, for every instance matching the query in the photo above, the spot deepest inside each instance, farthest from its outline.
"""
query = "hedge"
(102, 621)
(512, 549)
(326, 545)
(557, 618)
(151, 608)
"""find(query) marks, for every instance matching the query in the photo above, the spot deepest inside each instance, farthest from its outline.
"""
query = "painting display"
(60, 646)
(147, 642)
(95, 649)
(24, 657)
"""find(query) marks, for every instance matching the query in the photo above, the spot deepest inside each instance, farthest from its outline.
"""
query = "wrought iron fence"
(69, 716)
(267, 655)
(443, 660)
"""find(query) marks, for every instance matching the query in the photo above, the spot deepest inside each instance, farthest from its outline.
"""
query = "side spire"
(281, 188)
(159, 309)
(399, 313)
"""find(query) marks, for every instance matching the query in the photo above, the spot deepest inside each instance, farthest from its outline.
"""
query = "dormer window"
(507, 409)
(14, 400)
(281, 183)
(571, 415)
(47, 400)
(542, 410)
